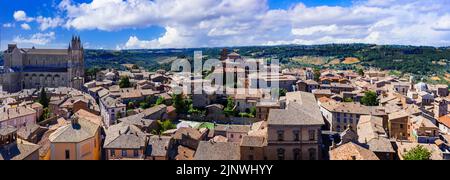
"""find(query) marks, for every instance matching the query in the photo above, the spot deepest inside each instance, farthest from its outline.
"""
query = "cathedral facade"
(43, 68)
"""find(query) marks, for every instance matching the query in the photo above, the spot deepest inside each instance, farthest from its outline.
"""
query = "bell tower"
(76, 63)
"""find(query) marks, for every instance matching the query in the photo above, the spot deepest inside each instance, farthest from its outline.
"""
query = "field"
(351, 60)
(310, 60)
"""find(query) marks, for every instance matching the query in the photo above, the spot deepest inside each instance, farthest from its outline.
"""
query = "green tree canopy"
(370, 99)
(229, 109)
(164, 126)
(160, 100)
(317, 74)
(46, 114)
(361, 72)
(124, 82)
(179, 103)
(43, 99)
(418, 153)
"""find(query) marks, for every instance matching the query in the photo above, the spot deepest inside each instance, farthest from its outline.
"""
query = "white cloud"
(22, 16)
(250, 22)
(35, 39)
(171, 37)
(25, 26)
(443, 23)
(8, 25)
(47, 22)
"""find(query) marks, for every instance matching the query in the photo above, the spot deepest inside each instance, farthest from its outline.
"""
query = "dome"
(422, 86)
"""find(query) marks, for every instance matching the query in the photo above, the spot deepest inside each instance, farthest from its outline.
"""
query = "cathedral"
(26, 68)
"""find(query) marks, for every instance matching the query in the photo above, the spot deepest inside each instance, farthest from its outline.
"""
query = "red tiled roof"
(445, 120)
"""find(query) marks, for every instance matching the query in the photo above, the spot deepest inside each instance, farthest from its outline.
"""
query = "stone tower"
(76, 63)
(440, 107)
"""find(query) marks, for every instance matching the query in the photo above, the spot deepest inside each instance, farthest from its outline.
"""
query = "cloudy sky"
(132, 24)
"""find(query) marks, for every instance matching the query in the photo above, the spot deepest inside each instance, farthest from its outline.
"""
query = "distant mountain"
(414, 59)
(422, 61)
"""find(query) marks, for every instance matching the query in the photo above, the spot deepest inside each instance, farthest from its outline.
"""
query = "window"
(136, 153)
(312, 135)
(232, 136)
(67, 154)
(281, 154)
(113, 153)
(312, 154)
(338, 128)
(124, 153)
(297, 154)
(250, 157)
(280, 135)
(296, 135)
(252, 148)
(401, 126)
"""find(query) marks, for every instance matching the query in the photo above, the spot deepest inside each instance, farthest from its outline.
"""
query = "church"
(27, 68)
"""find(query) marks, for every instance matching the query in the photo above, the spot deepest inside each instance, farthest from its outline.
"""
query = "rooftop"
(124, 136)
(233, 128)
(158, 146)
(253, 141)
(302, 110)
(208, 150)
(75, 132)
(11, 113)
(445, 120)
(352, 151)
(344, 107)
(17, 151)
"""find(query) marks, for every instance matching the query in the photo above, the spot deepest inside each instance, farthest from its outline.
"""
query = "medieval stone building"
(37, 68)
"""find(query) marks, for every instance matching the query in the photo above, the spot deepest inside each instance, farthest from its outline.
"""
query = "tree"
(418, 153)
(144, 105)
(163, 126)
(46, 114)
(124, 82)
(253, 111)
(43, 99)
(361, 72)
(230, 108)
(370, 99)
(131, 105)
(118, 115)
(317, 74)
(135, 66)
(179, 103)
(160, 100)
(282, 92)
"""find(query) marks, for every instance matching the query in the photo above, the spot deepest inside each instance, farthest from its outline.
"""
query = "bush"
(418, 153)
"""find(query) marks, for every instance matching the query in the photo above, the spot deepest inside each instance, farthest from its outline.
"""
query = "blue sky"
(129, 24)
